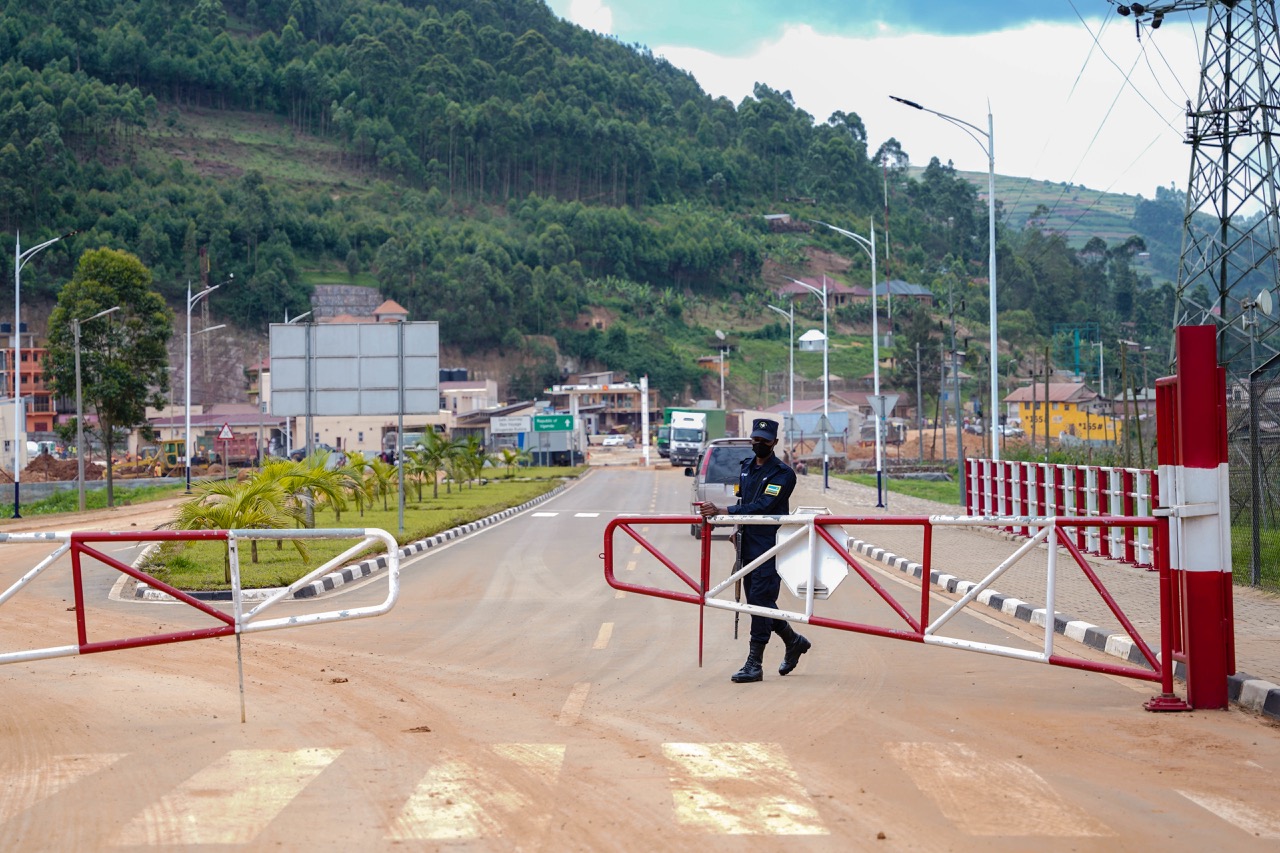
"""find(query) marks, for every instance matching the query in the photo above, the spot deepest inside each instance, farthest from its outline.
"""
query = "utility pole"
(919, 404)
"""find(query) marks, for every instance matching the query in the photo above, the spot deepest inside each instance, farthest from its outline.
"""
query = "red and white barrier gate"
(237, 622)
(824, 530)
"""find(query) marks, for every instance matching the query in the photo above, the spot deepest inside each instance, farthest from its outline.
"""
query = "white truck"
(688, 437)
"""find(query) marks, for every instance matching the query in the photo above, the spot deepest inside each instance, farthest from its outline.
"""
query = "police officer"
(764, 488)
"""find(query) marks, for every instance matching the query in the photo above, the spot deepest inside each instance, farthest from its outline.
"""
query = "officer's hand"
(708, 509)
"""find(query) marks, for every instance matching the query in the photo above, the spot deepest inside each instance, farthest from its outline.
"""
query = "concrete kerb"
(1243, 689)
(356, 571)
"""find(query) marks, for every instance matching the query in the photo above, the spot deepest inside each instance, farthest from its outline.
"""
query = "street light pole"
(869, 247)
(191, 302)
(791, 370)
(75, 333)
(989, 148)
(20, 259)
(826, 379)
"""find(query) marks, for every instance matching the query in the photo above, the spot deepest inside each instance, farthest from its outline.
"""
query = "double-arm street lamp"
(826, 378)
(191, 303)
(20, 259)
(989, 148)
(790, 314)
(75, 334)
(869, 247)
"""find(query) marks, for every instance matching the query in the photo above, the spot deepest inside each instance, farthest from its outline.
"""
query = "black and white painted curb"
(361, 570)
(1247, 691)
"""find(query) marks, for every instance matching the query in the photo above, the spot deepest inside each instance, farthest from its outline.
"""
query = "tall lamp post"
(826, 378)
(791, 371)
(869, 247)
(20, 259)
(989, 148)
(191, 302)
(75, 334)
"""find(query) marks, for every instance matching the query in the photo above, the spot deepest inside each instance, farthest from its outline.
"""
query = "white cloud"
(591, 15)
(1062, 111)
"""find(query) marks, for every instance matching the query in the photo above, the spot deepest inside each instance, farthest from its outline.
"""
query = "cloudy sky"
(1074, 94)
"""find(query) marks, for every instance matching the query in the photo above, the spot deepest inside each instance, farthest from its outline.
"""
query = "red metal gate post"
(1192, 450)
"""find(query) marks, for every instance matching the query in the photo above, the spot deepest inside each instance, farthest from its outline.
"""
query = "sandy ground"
(512, 700)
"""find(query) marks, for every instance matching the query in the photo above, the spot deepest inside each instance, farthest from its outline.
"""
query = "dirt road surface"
(513, 701)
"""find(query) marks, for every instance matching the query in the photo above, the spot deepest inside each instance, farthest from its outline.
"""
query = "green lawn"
(947, 493)
(202, 565)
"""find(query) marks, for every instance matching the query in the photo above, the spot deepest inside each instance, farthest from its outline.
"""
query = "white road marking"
(545, 514)
(991, 796)
(638, 550)
(573, 705)
(22, 787)
(619, 594)
(458, 801)
(602, 639)
(631, 565)
(1237, 813)
(231, 800)
(739, 789)
(586, 515)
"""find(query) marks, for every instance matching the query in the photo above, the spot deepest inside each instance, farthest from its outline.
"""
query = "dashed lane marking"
(586, 515)
(991, 796)
(602, 638)
(22, 786)
(739, 789)
(619, 594)
(1238, 814)
(631, 565)
(458, 801)
(545, 514)
(573, 705)
(252, 785)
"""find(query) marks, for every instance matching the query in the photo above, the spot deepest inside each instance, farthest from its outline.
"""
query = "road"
(512, 700)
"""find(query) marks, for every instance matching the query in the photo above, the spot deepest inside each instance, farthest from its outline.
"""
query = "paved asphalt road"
(512, 700)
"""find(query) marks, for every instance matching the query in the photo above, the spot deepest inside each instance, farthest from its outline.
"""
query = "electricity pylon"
(1231, 226)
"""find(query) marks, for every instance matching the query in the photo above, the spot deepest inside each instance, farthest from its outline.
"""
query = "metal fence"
(1253, 439)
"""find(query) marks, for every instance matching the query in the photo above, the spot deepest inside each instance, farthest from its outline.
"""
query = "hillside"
(553, 198)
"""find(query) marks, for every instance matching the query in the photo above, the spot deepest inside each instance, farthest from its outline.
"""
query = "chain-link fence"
(1253, 430)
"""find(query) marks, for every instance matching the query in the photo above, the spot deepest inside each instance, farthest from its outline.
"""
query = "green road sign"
(553, 423)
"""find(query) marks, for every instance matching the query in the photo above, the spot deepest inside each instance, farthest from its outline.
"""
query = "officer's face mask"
(761, 448)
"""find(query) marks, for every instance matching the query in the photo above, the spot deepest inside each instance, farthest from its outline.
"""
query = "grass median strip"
(203, 565)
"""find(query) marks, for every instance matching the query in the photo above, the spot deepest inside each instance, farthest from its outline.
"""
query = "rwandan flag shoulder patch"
(773, 490)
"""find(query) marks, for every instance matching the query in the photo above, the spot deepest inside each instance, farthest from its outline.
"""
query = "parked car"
(717, 475)
(614, 441)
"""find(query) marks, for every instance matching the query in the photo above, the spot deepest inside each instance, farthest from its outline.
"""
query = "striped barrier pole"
(1192, 451)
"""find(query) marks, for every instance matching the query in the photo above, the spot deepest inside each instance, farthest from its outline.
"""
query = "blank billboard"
(354, 369)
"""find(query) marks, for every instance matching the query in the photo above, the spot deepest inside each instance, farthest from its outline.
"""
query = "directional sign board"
(505, 425)
(553, 423)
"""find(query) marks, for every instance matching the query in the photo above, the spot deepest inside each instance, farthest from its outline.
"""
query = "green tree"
(123, 361)
(257, 503)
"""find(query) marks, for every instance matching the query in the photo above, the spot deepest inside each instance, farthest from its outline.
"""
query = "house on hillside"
(899, 289)
(838, 293)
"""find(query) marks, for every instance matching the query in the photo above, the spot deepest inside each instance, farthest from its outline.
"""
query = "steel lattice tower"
(1233, 179)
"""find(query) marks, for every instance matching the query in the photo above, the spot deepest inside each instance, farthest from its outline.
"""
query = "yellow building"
(1070, 408)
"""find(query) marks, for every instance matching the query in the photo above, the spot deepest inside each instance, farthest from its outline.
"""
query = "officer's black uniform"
(762, 490)
(765, 489)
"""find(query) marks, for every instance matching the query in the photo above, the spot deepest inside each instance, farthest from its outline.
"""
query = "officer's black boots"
(796, 646)
(753, 669)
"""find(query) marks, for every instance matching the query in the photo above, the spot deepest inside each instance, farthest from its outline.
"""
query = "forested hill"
(480, 161)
